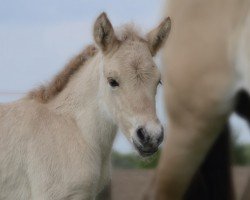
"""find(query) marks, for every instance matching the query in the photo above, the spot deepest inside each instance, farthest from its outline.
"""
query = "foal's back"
(39, 151)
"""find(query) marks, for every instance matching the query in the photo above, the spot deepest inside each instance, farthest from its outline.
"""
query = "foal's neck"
(80, 100)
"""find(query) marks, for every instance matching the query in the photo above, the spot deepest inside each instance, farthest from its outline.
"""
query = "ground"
(129, 184)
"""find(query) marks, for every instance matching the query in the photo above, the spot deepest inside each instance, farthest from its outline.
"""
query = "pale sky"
(38, 37)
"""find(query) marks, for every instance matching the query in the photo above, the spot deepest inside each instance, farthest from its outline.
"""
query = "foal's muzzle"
(147, 142)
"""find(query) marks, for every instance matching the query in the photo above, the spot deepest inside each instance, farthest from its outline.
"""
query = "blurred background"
(38, 37)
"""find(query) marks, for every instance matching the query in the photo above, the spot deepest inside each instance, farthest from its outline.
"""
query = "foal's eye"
(113, 83)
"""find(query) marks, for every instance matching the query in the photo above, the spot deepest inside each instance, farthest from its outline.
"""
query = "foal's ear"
(104, 34)
(158, 36)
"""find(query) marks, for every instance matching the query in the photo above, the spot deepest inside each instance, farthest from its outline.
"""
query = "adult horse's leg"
(213, 180)
(198, 81)
(179, 162)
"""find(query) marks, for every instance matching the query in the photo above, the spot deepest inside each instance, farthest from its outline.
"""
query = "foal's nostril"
(142, 135)
(160, 139)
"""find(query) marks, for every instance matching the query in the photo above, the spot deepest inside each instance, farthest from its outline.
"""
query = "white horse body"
(56, 142)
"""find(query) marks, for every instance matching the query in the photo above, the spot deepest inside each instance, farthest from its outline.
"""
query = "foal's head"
(129, 79)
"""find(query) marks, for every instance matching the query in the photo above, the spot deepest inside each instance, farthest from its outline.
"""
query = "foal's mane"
(45, 93)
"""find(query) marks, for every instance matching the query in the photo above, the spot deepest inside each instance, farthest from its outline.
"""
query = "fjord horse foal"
(55, 143)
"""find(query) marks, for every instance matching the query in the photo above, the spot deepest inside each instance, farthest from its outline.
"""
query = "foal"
(56, 142)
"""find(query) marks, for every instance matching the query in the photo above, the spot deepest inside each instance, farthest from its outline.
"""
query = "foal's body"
(55, 144)
(52, 151)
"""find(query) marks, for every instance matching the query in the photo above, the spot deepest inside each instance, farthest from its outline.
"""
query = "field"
(129, 184)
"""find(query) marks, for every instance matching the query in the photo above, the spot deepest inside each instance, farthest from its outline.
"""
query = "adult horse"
(56, 142)
(207, 77)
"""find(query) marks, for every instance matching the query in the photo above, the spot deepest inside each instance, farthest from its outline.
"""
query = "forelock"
(129, 32)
